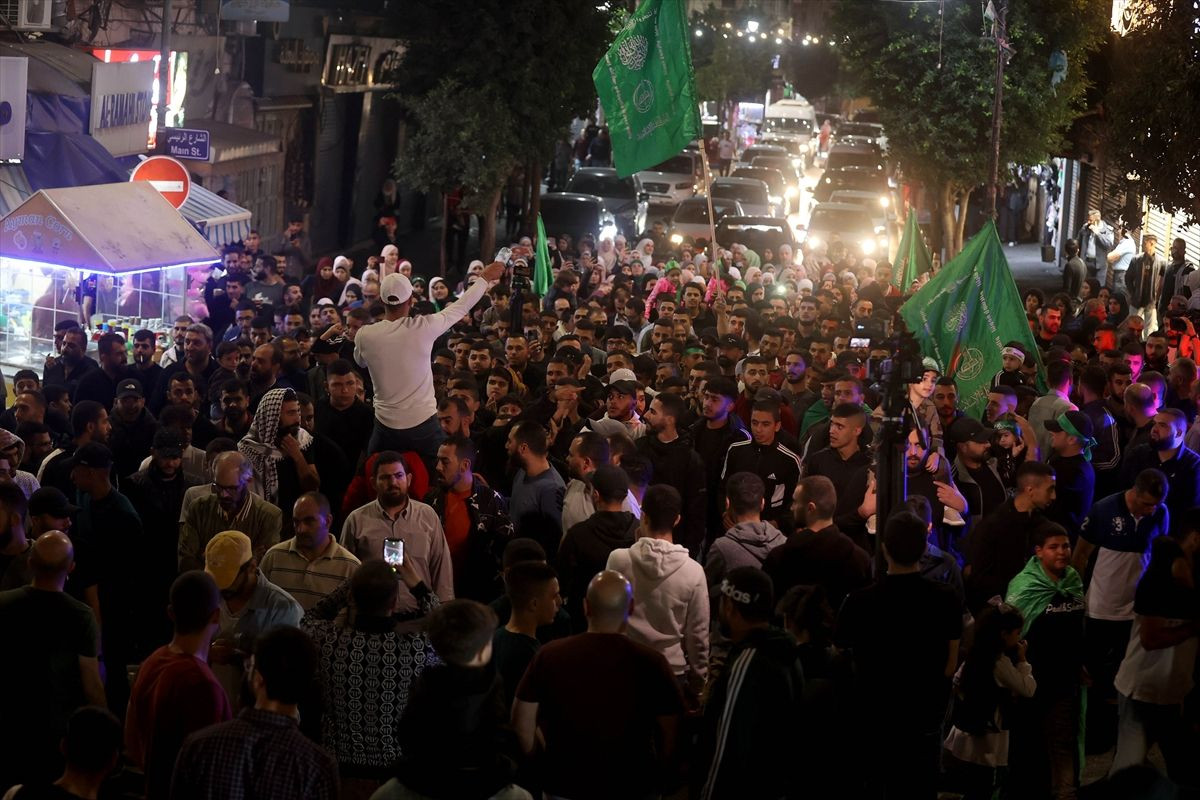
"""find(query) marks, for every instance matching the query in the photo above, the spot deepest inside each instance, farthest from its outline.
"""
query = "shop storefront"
(122, 243)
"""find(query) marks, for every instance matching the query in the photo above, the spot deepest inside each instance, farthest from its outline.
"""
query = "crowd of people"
(367, 535)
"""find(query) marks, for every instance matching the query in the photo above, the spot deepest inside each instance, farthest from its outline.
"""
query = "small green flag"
(965, 314)
(647, 88)
(541, 262)
(912, 259)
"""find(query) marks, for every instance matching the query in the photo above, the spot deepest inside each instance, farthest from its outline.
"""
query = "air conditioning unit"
(32, 15)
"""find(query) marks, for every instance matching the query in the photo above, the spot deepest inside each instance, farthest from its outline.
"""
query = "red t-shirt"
(175, 694)
(457, 527)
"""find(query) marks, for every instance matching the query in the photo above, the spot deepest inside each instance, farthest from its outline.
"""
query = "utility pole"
(1000, 10)
(164, 68)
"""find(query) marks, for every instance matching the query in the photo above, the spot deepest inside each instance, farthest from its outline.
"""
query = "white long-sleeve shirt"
(398, 354)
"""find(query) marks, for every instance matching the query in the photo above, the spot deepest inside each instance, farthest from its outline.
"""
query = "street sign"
(188, 143)
(167, 175)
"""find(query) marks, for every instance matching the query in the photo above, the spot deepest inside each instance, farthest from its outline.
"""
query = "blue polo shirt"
(1122, 552)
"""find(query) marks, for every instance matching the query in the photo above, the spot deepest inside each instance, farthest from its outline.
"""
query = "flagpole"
(712, 224)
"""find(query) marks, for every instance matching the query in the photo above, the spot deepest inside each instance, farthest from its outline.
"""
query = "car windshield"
(771, 177)
(840, 219)
(601, 186)
(758, 236)
(784, 165)
(857, 129)
(787, 125)
(862, 181)
(852, 158)
(568, 214)
(680, 165)
(741, 192)
(698, 212)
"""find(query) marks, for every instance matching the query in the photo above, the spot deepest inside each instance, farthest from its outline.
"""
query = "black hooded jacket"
(584, 552)
(677, 464)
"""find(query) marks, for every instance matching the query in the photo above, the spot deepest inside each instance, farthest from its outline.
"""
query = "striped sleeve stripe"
(736, 677)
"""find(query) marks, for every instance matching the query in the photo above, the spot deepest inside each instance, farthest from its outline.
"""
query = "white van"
(794, 122)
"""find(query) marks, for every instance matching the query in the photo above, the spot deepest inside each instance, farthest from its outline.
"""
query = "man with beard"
(731, 349)
(182, 393)
(234, 421)
(756, 374)
(327, 456)
(536, 503)
(711, 438)
(393, 514)
(1075, 480)
(243, 319)
(476, 525)
(39, 443)
(101, 384)
(156, 491)
(198, 363)
(133, 427)
(795, 384)
(937, 487)
(174, 353)
(14, 544)
(72, 365)
(144, 368)
(974, 470)
(1167, 453)
(674, 462)
(588, 450)
(90, 423)
(311, 565)
(266, 366)
(621, 415)
(231, 505)
(945, 401)
(280, 451)
(293, 371)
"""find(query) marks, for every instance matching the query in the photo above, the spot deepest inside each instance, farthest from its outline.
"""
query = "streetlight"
(699, 33)
(752, 26)
(778, 40)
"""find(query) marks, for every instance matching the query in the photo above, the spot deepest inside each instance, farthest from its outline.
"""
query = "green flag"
(646, 86)
(541, 262)
(912, 259)
(966, 314)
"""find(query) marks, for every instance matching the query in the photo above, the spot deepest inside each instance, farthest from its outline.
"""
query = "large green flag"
(647, 88)
(966, 313)
(541, 262)
(912, 259)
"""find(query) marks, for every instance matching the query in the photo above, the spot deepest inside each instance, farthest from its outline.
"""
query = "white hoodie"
(670, 603)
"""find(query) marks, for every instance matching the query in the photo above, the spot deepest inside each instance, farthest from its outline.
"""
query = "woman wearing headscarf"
(323, 284)
(351, 293)
(280, 451)
(644, 252)
(439, 293)
(606, 254)
(1118, 307)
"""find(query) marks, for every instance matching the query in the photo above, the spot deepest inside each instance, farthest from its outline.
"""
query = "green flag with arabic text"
(647, 88)
(912, 259)
(541, 262)
(966, 313)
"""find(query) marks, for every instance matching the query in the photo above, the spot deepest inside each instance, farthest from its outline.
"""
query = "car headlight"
(676, 238)
(884, 201)
(867, 246)
(608, 230)
(791, 192)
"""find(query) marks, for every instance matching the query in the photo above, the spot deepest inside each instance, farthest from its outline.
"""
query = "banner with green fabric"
(912, 259)
(965, 314)
(541, 262)
(647, 88)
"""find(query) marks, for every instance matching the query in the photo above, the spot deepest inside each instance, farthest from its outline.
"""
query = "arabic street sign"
(187, 143)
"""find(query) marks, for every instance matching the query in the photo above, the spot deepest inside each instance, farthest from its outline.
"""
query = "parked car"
(623, 197)
(857, 178)
(752, 193)
(690, 221)
(851, 224)
(676, 179)
(784, 165)
(757, 233)
(577, 214)
(878, 206)
(755, 150)
(843, 155)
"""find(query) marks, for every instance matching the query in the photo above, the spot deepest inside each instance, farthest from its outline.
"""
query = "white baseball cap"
(394, 289)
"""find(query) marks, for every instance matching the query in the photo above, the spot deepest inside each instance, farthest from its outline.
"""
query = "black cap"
(1079, 420)
(969, 429)
(93, 454)
(731, 340)
(625, 387)
(324, 347)
(130, 387)
(48, 500)
(168, 442)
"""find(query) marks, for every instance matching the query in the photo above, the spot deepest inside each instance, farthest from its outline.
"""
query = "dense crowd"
(357, 533)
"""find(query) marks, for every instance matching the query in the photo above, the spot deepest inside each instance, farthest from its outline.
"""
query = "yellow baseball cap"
(225, 555)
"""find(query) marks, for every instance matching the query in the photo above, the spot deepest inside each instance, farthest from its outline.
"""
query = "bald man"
(607, 706)
(51, 647)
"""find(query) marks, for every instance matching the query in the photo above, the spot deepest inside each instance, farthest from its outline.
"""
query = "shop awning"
(14, 187)
(221, 221)
(115, 228)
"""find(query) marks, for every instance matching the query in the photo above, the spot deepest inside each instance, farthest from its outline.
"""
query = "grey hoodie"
(744, 545)
(670, 604)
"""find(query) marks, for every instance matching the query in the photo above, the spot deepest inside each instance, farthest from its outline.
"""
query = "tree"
(939, 119)
(1153, 108)
(729, 67)
(490, 85)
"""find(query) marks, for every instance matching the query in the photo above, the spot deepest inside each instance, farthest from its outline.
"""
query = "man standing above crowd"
(397, 353)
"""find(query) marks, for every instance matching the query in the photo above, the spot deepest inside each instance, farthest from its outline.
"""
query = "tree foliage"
(492, 84)
(1153, 109)
(939, 120)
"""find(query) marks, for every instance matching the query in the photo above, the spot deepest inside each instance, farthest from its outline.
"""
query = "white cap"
(394, 289)
(622, 374)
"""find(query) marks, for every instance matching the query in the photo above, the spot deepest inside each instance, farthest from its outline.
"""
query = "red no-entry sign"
(167, 175)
